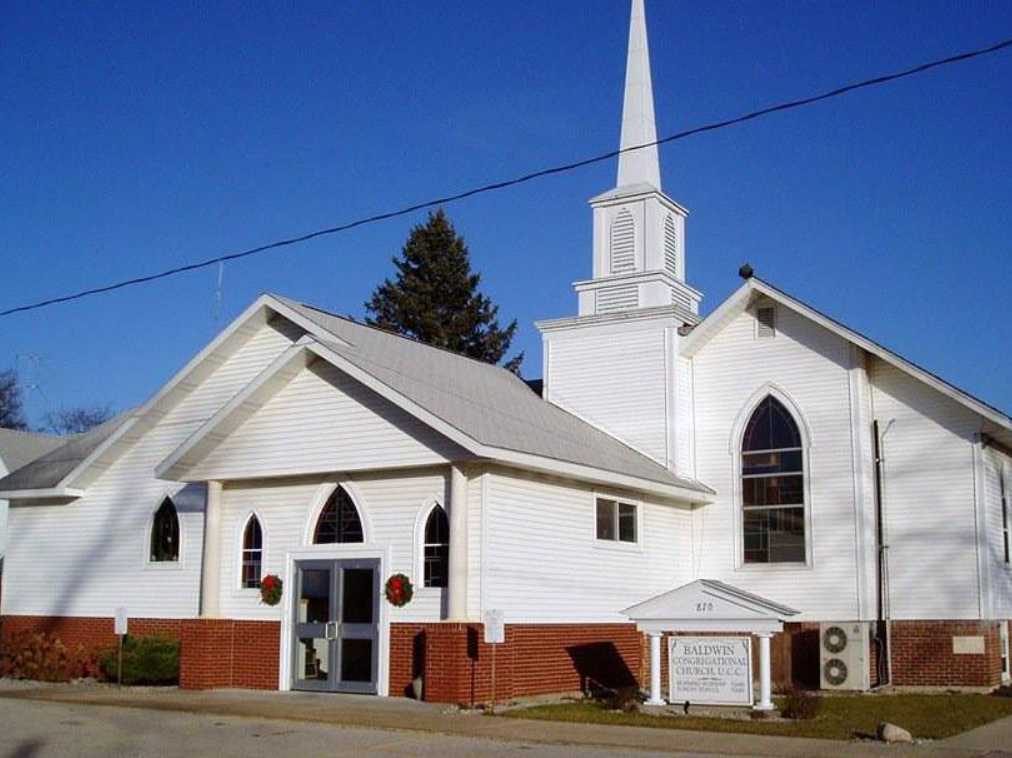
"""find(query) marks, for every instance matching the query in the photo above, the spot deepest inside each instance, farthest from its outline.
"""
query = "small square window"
(616, 522)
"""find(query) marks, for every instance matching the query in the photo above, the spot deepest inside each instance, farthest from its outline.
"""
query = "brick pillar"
(225, 653)
(205, 656)
(458, 665)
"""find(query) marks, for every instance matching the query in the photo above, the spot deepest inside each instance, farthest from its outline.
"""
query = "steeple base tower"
(616, 364)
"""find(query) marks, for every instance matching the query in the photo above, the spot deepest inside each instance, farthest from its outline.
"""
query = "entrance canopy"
(707, 605)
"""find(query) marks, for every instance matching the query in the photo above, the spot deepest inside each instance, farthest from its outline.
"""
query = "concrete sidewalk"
(403, 714)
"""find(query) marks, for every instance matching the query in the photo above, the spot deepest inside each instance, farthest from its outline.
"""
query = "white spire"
(638, 124)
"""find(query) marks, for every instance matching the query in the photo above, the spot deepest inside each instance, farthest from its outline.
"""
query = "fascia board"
(887, 355)
(173, 467)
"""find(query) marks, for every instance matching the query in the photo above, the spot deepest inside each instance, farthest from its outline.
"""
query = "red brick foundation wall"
(536, 659)
(213, 653)
(922, 654)
(93, 633)
(230, 653)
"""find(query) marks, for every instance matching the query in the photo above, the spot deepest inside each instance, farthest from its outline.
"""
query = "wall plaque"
(710, 670)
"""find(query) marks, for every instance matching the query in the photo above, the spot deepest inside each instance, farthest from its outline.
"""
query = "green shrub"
(146, 660)
(43, 657)
(801, 705)
(625, 699)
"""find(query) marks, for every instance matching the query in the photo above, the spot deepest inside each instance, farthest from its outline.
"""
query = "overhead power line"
(560, 169)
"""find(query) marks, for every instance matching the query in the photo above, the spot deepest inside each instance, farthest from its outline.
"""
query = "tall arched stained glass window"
(773, 486)
(437, 548)
(252, 553)
(165, 534)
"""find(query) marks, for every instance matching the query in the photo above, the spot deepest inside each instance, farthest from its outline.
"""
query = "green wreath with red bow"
(399, 590)
(270, 589)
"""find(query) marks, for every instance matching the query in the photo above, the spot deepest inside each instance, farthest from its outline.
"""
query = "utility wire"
(560, 169)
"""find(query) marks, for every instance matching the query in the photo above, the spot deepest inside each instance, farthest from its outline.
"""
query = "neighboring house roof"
(999, 423)
(18, 448)
(48, 470)
(494, 411)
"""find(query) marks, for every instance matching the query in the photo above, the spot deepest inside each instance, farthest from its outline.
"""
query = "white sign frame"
(678, 693)
(121, 622)
(495, 627)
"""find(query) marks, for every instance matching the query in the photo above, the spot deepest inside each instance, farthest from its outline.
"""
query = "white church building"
(762, 470)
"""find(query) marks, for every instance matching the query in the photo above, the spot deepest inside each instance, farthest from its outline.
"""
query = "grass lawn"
(841, 717)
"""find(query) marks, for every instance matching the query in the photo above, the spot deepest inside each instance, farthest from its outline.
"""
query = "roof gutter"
(50, 493)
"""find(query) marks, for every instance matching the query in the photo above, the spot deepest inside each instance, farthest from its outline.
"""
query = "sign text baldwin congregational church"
(710, 670)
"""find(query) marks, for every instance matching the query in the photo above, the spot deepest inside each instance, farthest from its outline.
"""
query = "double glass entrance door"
(336, 625)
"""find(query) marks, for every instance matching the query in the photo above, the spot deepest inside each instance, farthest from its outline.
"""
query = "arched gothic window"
(339, 521)
(670, 246)
(623, 243)
(165, 534)
(773, 486)
(252, 553)
(437, 548)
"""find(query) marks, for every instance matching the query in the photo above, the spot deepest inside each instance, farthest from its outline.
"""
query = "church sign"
(710, 670)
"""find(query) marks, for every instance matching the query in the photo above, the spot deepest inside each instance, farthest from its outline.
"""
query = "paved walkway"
(409, 715)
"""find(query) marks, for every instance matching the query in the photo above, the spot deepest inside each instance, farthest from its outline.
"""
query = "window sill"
(431, 591)
(163, 565)
(773, 568)
(618, 546)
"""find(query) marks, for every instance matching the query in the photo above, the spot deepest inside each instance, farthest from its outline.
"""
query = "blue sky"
(141, 136)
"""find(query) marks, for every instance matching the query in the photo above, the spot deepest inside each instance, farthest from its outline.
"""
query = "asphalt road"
(36, 730)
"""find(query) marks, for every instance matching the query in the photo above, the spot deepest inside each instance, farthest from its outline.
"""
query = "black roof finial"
(746, 271)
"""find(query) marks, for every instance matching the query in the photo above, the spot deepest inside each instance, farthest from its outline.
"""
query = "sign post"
(121, 631)
(495, 634)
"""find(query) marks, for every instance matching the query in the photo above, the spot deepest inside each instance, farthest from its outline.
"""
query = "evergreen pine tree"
(435, 297)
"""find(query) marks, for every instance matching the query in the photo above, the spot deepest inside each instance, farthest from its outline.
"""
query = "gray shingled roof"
(49, 469)
(18, 448)
(485, 402)
(488, 403)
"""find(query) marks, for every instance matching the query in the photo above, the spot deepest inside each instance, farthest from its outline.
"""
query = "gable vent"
(623, 243)
(766, 322)
(617, 298)
(670, 246)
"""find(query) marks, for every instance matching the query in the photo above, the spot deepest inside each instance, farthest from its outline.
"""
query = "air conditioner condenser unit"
(844, 655)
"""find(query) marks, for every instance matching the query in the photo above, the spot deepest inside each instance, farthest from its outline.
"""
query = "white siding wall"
(89, 557)
(3, 518)
(476, 486)
(685, 454)
(929, 498)
(391, 506)
(999, 571)
(810, 366)
(324, 421)
(543, 561)
(615, 377)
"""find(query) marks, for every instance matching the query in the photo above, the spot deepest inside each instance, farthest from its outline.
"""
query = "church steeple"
(616, 364)
(639, 232)
(638, 123)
